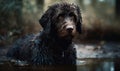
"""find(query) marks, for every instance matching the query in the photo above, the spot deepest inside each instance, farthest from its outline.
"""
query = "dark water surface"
(100, 65)
(82, 65)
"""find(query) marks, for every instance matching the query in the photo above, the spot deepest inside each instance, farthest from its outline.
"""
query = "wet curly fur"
(53, 45)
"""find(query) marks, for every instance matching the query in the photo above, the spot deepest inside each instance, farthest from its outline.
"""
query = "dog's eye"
(61, 16)
(71, 14)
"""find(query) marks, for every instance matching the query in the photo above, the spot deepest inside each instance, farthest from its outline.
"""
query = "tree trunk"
(117, 8)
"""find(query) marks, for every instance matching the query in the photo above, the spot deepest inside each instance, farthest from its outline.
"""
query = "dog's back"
(21, 48)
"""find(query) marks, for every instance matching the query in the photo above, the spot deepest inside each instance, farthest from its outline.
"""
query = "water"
(97, 65)
(82, 65)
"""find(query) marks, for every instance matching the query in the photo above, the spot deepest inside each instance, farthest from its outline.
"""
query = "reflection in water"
(83, 65)
(99, 66)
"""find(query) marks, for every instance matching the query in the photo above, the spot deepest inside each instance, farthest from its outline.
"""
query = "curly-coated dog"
(53, 45)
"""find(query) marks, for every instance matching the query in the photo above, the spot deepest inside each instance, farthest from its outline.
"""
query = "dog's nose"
(69, 28)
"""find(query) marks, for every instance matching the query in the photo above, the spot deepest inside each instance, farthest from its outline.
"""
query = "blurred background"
(20, 17)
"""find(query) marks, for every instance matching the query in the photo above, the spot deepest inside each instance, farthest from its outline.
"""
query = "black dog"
(52, 46)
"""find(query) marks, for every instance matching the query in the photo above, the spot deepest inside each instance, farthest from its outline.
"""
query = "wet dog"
(53, 45)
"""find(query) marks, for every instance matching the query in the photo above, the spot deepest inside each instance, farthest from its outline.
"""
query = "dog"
(53, 45)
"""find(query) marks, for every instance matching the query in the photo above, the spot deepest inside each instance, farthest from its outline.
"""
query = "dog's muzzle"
(69, 28)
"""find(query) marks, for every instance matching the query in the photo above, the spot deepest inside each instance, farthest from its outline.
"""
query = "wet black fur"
(46, 48)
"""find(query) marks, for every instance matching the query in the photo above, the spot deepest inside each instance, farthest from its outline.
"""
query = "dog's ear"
(78, 26)
(79, 21)
(45, 19)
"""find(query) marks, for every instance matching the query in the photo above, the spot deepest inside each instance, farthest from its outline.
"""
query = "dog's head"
(63, 18)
